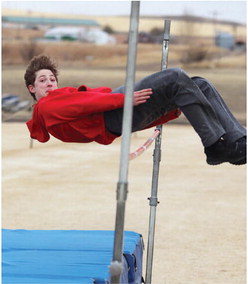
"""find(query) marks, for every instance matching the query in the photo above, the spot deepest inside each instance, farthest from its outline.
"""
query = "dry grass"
(14, 39)
(78, 53)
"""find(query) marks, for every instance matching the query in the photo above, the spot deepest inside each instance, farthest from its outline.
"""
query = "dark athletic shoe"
(242, 161)
(239, 163)
(221, 152)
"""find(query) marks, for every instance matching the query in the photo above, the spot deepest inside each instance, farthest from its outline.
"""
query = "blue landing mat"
(67, 256)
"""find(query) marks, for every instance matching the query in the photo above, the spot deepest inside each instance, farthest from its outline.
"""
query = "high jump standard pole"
(156, 162)
(122, 185)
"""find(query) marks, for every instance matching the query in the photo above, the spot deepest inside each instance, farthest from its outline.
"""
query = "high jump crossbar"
(148, 143)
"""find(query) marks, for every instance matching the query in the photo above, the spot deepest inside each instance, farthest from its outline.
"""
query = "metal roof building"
(48, 21)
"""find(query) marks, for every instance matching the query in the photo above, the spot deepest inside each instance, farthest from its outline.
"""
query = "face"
(44, 82)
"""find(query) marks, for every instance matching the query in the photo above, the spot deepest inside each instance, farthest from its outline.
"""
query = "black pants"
(196, 97)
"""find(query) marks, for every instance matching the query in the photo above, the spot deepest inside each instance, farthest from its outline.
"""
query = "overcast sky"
(221, 10)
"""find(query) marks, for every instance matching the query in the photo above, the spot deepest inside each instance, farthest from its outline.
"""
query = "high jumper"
(87, 114)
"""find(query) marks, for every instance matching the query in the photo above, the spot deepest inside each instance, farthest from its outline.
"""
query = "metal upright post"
(156, 162)
(122, 186)
(31, 143)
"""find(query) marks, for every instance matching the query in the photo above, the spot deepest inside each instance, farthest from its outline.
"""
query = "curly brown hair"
(37, 63)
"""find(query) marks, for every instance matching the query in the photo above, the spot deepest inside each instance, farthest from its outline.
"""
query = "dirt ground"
(201, 218)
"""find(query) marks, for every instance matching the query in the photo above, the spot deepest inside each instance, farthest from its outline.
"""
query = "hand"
(141, 96)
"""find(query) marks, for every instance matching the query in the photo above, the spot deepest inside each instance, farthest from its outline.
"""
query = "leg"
(153, 109)
(234, 130)
(172, 88)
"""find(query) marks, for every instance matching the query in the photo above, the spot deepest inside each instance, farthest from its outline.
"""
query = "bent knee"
(200, 81)
(176, 73)
(176, 70)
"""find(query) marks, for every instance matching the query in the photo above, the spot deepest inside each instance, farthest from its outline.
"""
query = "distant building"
(65, 33)
(47, 22)
(227, 40)
(183, 28)
(62, 28)
(96, 36)
(99, 37)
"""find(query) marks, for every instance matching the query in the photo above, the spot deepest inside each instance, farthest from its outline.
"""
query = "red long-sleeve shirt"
(77, 115)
